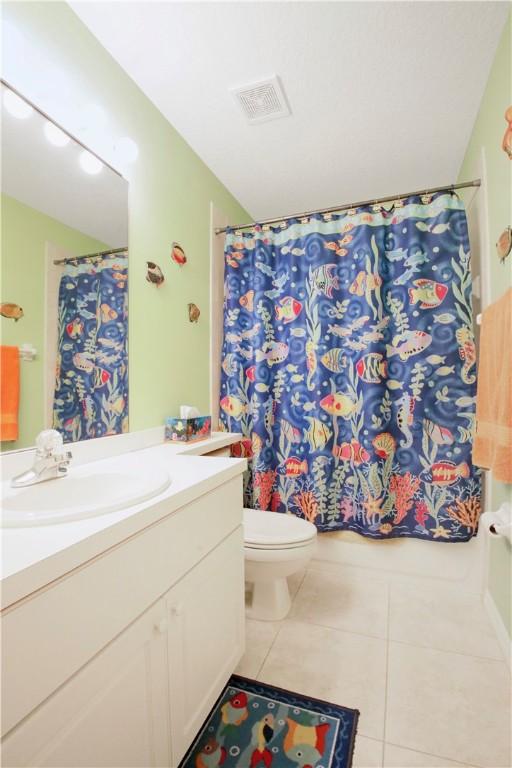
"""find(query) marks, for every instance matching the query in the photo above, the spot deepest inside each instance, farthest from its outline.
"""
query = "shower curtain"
(91, 386)
(349, 366)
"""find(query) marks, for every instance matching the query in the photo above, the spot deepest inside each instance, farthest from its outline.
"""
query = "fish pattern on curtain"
(91, 385)
(349, 366)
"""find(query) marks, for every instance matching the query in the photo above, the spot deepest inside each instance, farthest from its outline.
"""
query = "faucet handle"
(49, 442)
(63, 459)
(62, 462)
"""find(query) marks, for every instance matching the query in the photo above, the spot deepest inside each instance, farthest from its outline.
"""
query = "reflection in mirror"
(64, 288)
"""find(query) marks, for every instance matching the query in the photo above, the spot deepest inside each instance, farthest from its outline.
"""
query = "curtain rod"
(98, 255)
(450, 187)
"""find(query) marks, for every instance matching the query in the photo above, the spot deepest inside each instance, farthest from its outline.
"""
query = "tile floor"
(417, 657)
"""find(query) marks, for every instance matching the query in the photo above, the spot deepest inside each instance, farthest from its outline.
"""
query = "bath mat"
(254, 725)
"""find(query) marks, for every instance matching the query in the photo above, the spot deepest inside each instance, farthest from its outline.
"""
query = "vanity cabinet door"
(113, 712)
(205, 637)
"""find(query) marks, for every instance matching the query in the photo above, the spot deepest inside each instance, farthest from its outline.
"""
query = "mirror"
(64, 286)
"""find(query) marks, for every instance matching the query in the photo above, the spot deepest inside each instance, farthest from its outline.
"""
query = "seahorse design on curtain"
(91, 386)
(349, 366)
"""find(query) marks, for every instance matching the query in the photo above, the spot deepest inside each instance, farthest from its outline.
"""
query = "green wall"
(25, 232)
(487, 134)
(169, 200)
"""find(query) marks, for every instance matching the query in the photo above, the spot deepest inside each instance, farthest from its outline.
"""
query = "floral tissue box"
(179, 430)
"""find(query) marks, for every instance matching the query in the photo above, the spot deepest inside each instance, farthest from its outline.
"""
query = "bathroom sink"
(87, 491)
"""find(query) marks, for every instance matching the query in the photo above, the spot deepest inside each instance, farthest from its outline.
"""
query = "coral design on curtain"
(91, 386)
(349, 366)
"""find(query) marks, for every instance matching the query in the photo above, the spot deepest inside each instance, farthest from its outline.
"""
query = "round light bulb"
(90, 163)
(55, 135)
(126, 150)
(16, 106)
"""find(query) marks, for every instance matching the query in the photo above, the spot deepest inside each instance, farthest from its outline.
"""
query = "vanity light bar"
(58, 125)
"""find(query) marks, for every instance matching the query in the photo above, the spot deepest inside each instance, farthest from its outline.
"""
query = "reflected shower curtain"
(91, 386)
(349, 366)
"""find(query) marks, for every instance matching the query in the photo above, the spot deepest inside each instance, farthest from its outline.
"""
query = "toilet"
(276, 545)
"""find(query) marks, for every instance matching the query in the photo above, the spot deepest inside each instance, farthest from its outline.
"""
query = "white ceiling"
(50, 179)
(383, 94)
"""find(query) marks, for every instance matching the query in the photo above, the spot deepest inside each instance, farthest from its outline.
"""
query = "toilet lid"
(275, 529)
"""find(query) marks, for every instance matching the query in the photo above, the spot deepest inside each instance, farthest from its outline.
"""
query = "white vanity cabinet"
(113, 712)
(160, 624)
(205, 637)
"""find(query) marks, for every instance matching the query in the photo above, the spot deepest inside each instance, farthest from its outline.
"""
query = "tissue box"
(187, 430)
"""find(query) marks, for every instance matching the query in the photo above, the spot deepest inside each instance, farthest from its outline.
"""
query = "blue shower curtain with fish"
(349, 366)
(91, 385)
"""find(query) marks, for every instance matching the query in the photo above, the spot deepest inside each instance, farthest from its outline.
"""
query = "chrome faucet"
(51, 460)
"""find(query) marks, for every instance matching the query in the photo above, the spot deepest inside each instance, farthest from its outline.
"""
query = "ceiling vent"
(262, 101)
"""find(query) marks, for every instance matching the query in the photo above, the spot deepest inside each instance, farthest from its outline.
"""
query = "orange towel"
(493, 440)
(9, 392)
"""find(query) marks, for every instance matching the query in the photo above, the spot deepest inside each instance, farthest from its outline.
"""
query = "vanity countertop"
(34, 556)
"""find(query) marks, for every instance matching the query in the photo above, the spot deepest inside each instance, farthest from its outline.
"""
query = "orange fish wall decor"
(178, 254)
(504, 244)
(12, 311)
(506, 144)
(193, 312)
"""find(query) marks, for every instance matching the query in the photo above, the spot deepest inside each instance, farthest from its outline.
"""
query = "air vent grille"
(262, 101)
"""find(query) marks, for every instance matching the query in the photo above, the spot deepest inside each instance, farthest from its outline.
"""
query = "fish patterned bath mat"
(254, 725)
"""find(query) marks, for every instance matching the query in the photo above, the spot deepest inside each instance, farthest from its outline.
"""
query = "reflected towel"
(9, 392)
(493, 441)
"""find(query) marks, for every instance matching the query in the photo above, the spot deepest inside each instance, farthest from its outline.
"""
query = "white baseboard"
(499, 627)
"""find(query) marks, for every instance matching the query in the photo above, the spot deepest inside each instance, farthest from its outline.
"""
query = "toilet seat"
(276, 530)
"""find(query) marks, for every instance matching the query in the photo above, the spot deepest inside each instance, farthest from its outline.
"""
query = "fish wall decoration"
(178, 254)
(504, 244)
(506, 144)
(154, 274)
(12, 311)
(193, 312)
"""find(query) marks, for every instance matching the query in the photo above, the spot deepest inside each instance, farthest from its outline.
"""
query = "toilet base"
(267, 571)
(270, 600)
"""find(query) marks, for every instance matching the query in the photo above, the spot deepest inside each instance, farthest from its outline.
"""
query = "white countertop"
(34, 556)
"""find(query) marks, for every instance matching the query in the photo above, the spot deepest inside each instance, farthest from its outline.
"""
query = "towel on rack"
(493, 440)
(9, 392)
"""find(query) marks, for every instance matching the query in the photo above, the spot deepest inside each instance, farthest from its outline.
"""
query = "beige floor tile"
(449, 704)
(367, 753)
(259, 636)
(344, 668)
(443, 618)
(397, 757)
(351, 604)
